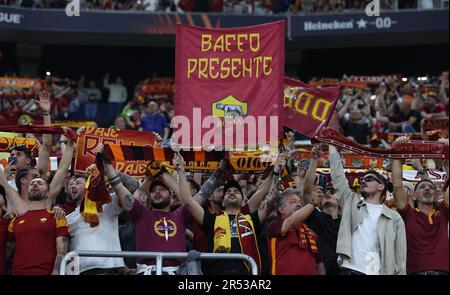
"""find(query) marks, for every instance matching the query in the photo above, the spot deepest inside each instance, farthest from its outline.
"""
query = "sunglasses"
(370, 179)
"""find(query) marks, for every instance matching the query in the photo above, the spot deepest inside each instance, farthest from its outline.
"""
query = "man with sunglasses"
(426, 225)
(372, 238)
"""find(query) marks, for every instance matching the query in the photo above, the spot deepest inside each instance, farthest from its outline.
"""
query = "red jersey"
(3, 239)
(35, 234)
(287, 257)
(427, 238)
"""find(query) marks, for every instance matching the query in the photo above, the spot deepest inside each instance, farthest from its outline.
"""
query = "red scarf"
(39, 129)
(249, 244)
(307, 239)
(408, 150)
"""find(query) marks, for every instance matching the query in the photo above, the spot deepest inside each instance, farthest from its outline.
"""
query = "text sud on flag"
(228, 86)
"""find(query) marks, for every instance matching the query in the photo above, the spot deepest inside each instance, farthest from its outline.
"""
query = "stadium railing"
(159, 256)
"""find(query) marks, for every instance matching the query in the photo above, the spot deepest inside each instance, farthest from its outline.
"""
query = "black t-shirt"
(358, 131)
(327, 229)
(226, 266)
(400, 117)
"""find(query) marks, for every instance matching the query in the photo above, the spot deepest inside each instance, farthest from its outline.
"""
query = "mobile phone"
(322, 183)
(12, 160)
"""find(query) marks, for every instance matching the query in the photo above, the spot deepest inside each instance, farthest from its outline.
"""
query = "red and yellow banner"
(88, 143)
(307, 109)
(75, 124)
(229, 73)
(8, 142)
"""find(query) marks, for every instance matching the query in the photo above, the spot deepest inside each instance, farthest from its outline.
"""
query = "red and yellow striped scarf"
(307, 239)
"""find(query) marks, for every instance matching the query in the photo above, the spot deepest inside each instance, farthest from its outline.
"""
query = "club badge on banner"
(89, 141)
(228, 78)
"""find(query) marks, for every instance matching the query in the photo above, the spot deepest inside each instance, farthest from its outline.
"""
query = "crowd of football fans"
(230, 6)
(307, 229)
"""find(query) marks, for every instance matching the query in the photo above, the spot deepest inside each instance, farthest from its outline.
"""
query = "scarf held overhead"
(117, 152)
(72, 135)
(95, 195)
(408, 150)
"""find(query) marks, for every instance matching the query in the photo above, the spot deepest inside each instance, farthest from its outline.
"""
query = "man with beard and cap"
(371, 238)
(235, 229)
(41, 239)
(426, 225)
(157, 227)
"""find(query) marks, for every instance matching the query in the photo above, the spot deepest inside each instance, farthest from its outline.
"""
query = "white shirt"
(104, 237)
(366, 245)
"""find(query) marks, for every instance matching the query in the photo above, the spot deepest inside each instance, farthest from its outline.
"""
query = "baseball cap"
(158, 182)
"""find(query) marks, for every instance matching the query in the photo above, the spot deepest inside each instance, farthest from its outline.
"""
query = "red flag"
(307, 109)
(228, 73)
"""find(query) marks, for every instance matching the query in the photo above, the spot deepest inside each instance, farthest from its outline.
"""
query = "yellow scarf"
(222, 236)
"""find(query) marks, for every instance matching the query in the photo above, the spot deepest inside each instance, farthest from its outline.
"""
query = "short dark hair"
(22, 148)
(20, 175)
(424, 180)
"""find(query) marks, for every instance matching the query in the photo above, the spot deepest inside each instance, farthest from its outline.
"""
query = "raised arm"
(44, 150)
(446, 168)
(311, 174)
(263, 190)
(185, 193)
(298, 217)
(58, 180)
(15, 203)
(400, 193)
(268, 204)
(340, 183)
(125, 197)
(208, 187)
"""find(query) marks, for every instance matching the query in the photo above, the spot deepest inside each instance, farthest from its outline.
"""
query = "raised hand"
(178, 162)
(158, 137)
(401, 139)
(80, 130)
(44, 102)
(316, 151)
(280, 162)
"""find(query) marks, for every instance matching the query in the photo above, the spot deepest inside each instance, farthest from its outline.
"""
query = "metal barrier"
(159, 256)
